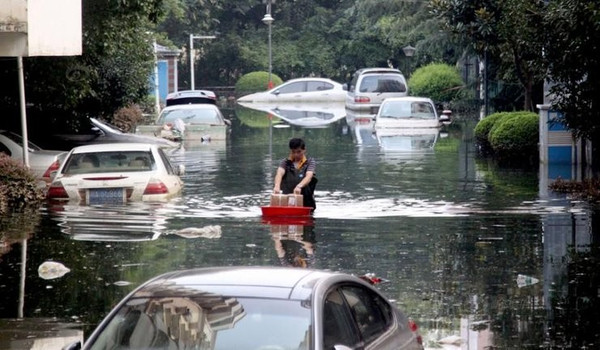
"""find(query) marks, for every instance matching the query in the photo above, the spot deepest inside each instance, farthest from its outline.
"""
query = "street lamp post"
(268, 20)
(409, 51)
(192, 37)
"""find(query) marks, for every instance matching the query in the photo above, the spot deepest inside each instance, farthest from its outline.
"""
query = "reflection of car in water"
(131, 223)
(255, 308)
(308, 115)
(361, 127)
(409, 140)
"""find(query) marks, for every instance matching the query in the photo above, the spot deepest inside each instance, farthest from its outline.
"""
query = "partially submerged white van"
(370, 86)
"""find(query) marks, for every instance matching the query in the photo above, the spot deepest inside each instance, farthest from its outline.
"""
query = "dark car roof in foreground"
(251, 281)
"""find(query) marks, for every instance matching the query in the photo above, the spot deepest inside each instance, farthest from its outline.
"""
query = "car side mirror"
(180, 169)
(276, 92)
(345, 87)
(72, 346)
(227, 122)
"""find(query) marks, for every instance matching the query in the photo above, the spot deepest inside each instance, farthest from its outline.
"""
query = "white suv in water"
(370, 86)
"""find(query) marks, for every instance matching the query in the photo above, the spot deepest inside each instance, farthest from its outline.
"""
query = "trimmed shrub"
(18, 186)
(515, 136)
(483, 127)
(255, 82)
(438, 81)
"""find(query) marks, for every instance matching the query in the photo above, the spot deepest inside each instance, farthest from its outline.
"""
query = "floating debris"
(211, 231)
(524, 281)
(122, 283)
(51, 270)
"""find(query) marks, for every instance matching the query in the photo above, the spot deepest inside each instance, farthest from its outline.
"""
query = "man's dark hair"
(296, 143)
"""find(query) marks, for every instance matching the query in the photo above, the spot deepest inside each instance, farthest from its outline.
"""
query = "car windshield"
(407, 109)
(208, 321)
(190, 116)
(104, 162)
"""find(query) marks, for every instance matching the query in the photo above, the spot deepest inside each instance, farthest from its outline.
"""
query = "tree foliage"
(508, 31)
(573, 58)
(112, 72)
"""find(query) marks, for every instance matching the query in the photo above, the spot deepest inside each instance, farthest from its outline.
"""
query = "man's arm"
(278, 178)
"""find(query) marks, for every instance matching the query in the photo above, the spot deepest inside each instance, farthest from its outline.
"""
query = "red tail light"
(156, 187)
(53, 167)
(57, 191)
(362, 99)
(412, 325)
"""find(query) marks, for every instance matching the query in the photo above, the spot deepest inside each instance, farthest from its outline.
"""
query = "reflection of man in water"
(294, 245)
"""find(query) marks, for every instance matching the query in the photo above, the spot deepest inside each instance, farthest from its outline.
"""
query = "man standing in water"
(296, 174)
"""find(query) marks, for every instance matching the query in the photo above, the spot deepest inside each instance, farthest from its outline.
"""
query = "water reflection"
(131, 223)
(294, 240)
(314, 115)
(407, 140)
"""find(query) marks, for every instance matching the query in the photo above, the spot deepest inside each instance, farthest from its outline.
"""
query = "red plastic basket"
(285, 211)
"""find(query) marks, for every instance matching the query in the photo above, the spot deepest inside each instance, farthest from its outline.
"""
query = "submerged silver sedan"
(258, 308)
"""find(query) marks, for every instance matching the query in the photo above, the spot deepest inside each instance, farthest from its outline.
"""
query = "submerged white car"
(116, 174)
(300, 90)
(407, 112)
(42, 163)
(188, 122)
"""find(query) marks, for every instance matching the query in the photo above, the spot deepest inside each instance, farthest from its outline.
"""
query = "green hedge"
(18, 186)
(515, 136)
(438, 81)
(482, 129)
(255, 82)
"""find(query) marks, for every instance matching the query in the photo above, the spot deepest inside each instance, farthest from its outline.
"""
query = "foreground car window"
(207, 322)
(102, 162)
(373, 315)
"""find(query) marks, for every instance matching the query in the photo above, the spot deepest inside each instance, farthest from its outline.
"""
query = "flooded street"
(470, 250)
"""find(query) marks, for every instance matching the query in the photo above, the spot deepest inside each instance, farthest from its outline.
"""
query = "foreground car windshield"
(207, 322)
(190, 116)
(102, 162)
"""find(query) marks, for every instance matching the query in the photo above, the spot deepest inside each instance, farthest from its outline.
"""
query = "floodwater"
(480, 257)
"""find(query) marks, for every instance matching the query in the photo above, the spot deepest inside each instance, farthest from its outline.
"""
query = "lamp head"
(268, 19)
(409, 51)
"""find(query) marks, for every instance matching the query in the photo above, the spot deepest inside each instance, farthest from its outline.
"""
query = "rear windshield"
(103, 162)
(190, 100)
(190, 116)
(382, 83)
(210, 322)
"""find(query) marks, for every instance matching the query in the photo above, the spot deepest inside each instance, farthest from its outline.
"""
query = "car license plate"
(105, 196)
